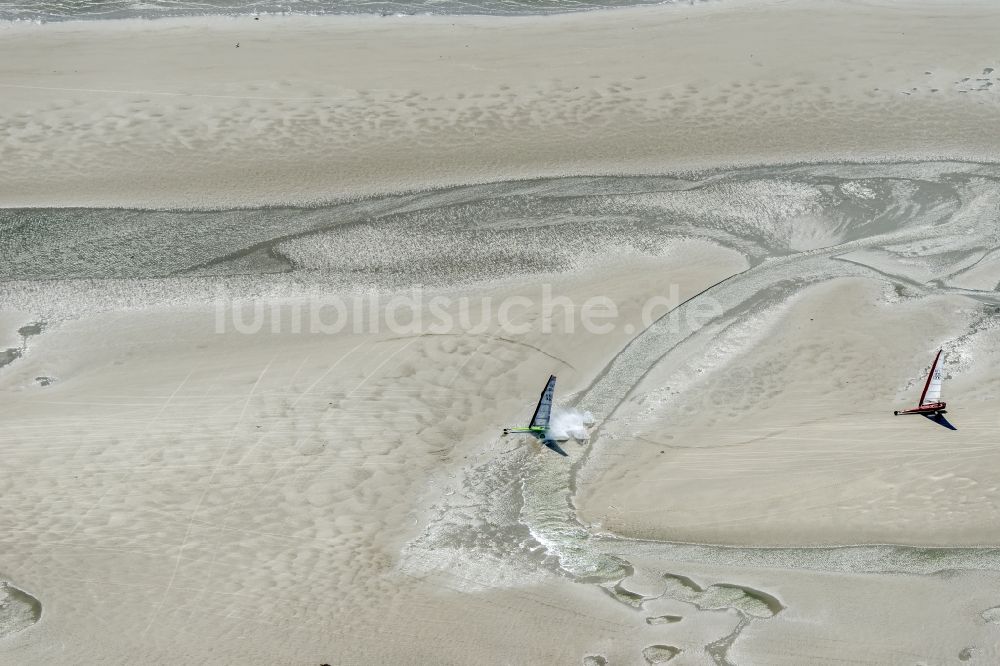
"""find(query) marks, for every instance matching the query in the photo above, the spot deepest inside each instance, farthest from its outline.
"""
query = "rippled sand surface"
(264, 312)
(171, 114)
(170, 471)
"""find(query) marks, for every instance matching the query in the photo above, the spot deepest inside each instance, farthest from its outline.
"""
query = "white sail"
(932, 389)
(540, 419)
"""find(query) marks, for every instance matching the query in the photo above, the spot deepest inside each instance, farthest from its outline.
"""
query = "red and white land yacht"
(930, 400)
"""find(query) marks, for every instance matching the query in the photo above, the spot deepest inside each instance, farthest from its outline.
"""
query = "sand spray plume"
(569, 423)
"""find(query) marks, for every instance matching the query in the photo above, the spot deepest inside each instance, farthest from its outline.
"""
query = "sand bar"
(308, 109)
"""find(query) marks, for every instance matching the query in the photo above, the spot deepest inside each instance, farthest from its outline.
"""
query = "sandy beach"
(265, 311)
(170, 113)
